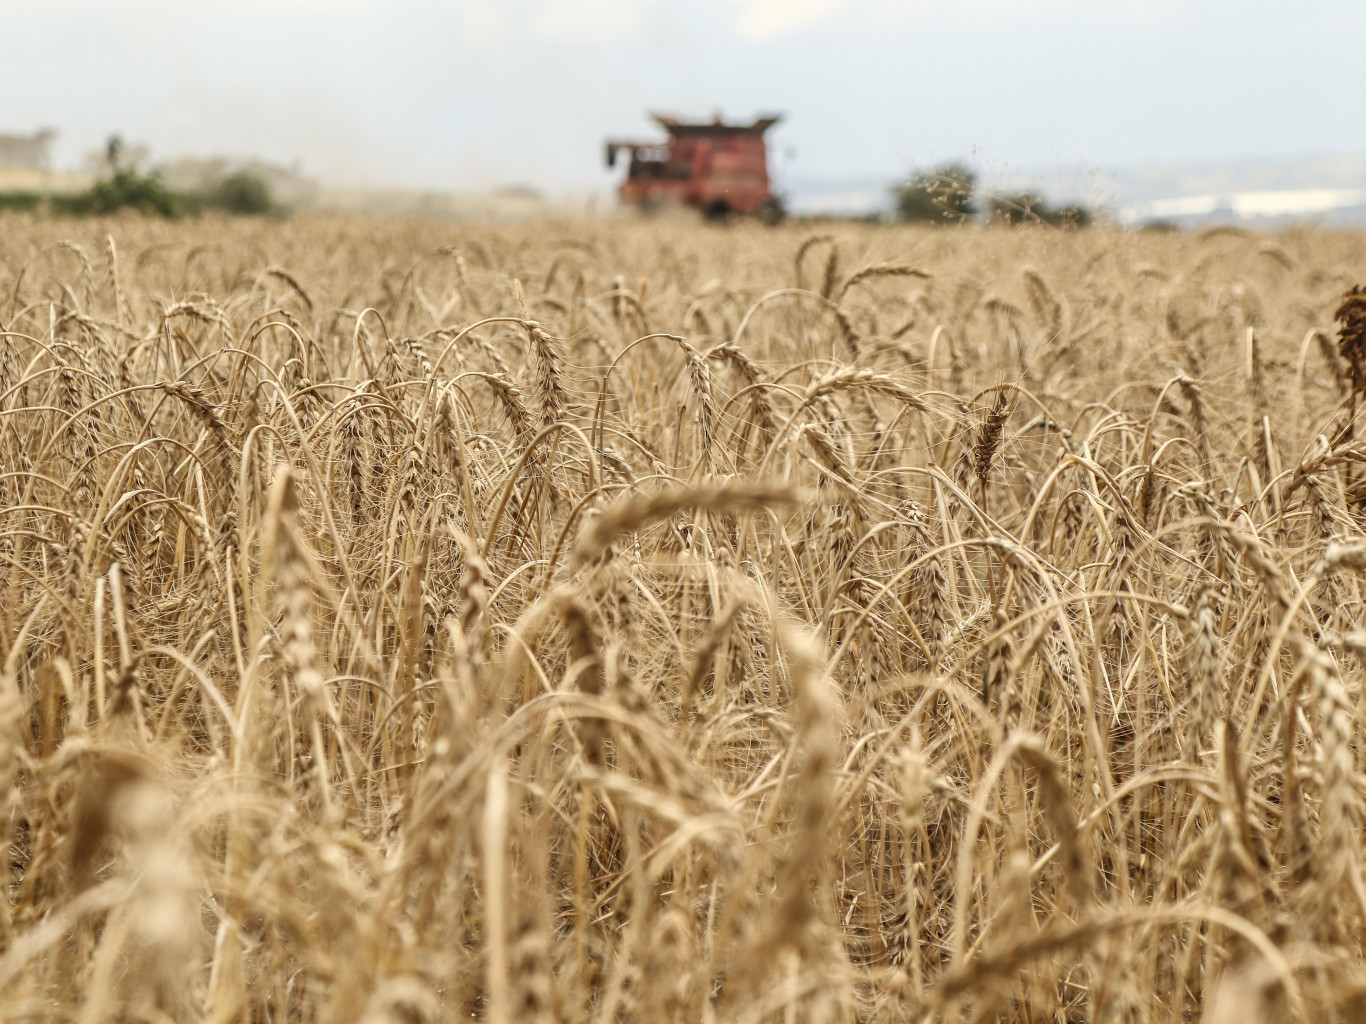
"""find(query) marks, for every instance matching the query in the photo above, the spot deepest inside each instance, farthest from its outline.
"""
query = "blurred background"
(1141, 111)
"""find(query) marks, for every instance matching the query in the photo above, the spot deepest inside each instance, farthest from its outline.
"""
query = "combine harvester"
(720, 169)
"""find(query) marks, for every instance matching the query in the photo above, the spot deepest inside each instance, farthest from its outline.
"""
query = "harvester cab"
(718, 168)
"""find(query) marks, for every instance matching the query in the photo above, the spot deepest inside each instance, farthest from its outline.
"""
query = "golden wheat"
(606, 621)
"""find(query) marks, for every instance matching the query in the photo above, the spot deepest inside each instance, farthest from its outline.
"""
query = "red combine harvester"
(721, 169)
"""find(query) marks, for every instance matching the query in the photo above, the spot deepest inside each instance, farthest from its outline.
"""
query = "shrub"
(1074, 215)
(125, 187)
(132, 190)
(1030, 207)
(946, 194)
(1017, 208)
(23, 201)
(242, 192)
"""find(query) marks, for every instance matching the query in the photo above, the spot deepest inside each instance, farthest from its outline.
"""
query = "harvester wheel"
(771, 211)
(717, 212)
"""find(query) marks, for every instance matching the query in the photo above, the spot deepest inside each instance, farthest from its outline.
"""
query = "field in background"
(14, 179)
(637, 622)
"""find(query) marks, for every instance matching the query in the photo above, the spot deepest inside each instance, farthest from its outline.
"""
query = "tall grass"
(594, 622)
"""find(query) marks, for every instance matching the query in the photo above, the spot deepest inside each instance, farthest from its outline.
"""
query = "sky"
(471, 94)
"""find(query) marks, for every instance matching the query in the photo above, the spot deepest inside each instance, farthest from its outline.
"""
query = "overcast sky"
(470, 93)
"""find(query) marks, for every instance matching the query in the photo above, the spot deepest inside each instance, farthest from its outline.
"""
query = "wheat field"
(632, 622)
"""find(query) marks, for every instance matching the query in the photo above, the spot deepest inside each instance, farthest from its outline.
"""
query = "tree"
(946, 194)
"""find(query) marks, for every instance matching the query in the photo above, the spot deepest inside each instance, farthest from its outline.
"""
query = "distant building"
(27, 152)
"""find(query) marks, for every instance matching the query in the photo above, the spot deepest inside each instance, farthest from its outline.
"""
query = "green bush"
(1030, 207)
(946, 194)
(127, 188)
(124, 188)
(242, 192)
(1072, 216)
(1017, 209)
(23, 201)
(132, 190)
